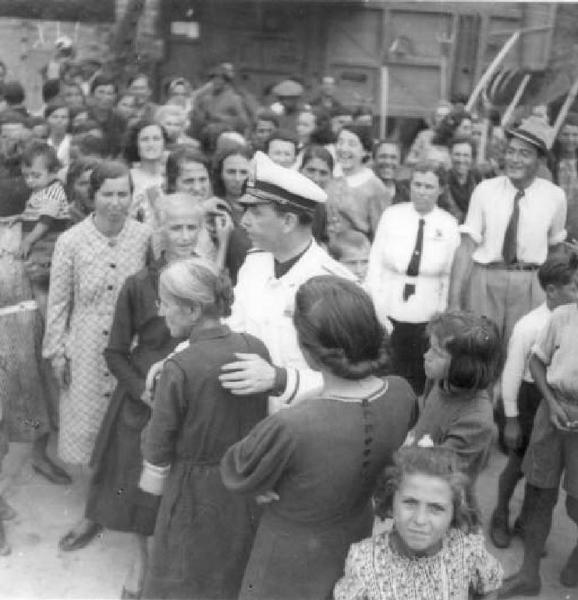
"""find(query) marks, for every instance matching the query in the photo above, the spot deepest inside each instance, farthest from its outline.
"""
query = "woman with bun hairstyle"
(315, 465)
(203, 534)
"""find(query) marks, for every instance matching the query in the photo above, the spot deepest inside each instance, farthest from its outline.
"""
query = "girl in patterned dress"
(435, 550)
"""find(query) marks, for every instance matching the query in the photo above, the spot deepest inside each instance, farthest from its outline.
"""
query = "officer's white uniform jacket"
(264, 307)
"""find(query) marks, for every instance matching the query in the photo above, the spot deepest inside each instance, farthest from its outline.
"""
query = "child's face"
(422, 511)
(37, 175)
(436, 360)
(356, 259)
(562, 294)
(282, 152)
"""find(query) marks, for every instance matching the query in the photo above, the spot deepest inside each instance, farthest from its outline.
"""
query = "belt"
(512, 267)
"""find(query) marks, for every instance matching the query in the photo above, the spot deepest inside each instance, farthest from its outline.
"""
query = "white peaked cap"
(270, 182)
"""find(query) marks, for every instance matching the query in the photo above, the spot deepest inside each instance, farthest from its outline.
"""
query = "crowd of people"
(262, 330)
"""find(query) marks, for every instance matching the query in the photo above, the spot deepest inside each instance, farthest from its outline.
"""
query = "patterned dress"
(375, 571)
(87, 274)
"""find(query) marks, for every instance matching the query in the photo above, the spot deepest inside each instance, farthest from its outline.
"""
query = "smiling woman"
(409, 268)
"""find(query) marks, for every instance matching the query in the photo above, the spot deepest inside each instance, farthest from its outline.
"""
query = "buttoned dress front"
(87, 274)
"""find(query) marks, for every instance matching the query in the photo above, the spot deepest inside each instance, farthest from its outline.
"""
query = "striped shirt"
(49, 201)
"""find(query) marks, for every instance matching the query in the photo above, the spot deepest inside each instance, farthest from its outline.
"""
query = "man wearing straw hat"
(513, 222)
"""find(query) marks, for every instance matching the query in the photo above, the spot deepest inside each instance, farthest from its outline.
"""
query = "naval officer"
(279, 207)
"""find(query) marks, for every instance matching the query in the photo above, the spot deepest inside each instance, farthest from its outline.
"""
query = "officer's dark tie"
(413, 267)
(511, 237)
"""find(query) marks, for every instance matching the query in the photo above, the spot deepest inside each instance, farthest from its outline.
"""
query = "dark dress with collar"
(322, 457)
(114, 499)
(204, 532)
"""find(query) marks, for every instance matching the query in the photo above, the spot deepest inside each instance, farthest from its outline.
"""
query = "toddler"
(45, 216)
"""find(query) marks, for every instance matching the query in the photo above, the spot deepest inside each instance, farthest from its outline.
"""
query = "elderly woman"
(91, 261)
(188, 172)
(117, 457)
(409, 268)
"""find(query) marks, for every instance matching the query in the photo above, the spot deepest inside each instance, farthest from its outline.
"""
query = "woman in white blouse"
(409, 268)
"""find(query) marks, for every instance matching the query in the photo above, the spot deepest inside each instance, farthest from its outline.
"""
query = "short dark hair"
(438, 461)
(76, 169)
(266, 114)
(431, 166)
(363, 132)
(107, 169)
(91, 145)
(463, 140)
(14, 93)
(315, 151)
(337, 326)
(50, 90)
(475, 346)
(304, 217)
(217, 166)
(103, 80)
(389, 142)
(282, 135)
(55, 105)
(558, 270)
(183, 153)
(9, 116)
(85, 127)
(36, 148)
(130, 152)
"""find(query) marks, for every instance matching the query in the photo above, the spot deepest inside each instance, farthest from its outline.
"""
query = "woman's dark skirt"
(114, 499)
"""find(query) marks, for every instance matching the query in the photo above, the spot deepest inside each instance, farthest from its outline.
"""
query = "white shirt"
(389, 259)
(516, 369)
(264, 307)
(542, 219)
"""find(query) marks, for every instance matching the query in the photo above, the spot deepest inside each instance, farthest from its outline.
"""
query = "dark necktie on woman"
(413, 267)
(510, 246)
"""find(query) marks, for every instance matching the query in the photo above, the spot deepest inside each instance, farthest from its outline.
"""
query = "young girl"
(46, 215)
(203, 533)
(464, 359)
(434, 549)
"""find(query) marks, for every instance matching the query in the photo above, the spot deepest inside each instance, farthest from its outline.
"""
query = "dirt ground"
(36, 569)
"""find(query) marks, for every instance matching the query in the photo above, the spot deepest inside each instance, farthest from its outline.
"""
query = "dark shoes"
(6, 511)
(518, 585)
(499, 530)
(79, 538)
(45, 467)
(569, 574)
(4, 547)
